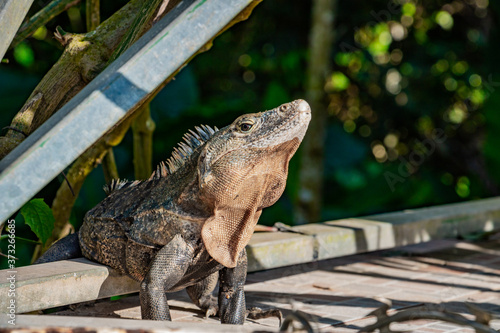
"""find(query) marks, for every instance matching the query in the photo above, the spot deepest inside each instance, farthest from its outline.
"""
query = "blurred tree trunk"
(309, 202)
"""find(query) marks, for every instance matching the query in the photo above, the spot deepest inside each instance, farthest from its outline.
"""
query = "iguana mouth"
(303, 106)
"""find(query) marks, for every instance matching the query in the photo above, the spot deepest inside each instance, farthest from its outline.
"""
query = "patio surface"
(337, 295)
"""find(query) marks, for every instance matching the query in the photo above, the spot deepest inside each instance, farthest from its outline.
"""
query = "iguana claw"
(258, 313)
(211, 312)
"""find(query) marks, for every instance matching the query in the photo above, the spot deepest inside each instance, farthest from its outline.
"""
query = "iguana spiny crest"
(192, 140)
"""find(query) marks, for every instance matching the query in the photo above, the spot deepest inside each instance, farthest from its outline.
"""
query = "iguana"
(188, 224)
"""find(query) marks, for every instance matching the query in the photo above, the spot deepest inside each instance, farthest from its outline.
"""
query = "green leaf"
(409, 9)
(444, 19)
(38, 215)
(24, 55)
(339, 81)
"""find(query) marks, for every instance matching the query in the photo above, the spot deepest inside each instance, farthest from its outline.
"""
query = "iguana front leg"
(167, 268)
(232, 307)
(231, 294)
(201, 294)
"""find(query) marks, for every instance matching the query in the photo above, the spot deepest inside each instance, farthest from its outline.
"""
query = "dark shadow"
(451, 262)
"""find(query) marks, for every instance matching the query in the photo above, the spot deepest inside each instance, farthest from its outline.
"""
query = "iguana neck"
(188, 200)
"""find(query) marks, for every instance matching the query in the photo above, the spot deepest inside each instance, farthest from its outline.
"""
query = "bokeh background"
(411, 95)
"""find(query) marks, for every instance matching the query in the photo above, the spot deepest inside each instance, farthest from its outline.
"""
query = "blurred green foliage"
(412, 96)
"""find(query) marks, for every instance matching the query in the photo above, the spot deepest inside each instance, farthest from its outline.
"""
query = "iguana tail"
(65, 248)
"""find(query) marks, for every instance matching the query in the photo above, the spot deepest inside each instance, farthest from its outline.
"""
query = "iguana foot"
(212, 311)
(258, 313)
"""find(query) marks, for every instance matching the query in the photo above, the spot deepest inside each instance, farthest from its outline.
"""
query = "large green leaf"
(38, 215)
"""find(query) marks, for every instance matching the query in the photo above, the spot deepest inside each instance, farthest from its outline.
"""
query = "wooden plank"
(110, 96)
(12, 13)
(54, 284)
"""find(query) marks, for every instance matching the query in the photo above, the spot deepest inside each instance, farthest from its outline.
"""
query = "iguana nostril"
(303, 106)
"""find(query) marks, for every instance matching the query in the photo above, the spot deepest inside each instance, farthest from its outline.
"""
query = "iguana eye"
(245, 127)
(284, 107)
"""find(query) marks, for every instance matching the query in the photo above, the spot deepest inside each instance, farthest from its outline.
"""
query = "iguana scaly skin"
(188, 224)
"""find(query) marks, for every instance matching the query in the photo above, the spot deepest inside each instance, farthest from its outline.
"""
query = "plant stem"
(38, 20)
(93, 19)
(109, 166)
(20, 238)
(142, 129)
(139, 26)
(93, 14)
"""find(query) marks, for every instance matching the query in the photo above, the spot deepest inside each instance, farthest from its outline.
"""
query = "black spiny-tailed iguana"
(188, 224)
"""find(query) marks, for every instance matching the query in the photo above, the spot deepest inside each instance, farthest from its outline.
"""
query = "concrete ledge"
(376, 232)
(31, 323)
(268, 250)
(61, 283)
(54, 284)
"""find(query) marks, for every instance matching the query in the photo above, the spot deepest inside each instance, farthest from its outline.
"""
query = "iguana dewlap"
(188, 224)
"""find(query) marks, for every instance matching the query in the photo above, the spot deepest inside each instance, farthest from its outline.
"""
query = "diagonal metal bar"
(12, 13)
(108, 98)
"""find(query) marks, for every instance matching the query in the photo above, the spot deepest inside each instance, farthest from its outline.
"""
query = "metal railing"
(12, 13)
(110, 96)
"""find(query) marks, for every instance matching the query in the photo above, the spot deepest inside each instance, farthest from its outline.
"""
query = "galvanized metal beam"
(108, 98)
(12, 13)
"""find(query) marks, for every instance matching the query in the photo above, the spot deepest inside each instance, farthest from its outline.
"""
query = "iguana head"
(242, 169)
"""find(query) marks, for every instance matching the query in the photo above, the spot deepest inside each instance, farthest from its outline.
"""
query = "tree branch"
(141, 24)
(84, 57)
(38, 20)
(93, 19)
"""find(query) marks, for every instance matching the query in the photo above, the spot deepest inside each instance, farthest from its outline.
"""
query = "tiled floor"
(338, 295)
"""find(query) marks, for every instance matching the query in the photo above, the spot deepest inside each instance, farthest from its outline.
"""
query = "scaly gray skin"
(188, 225)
